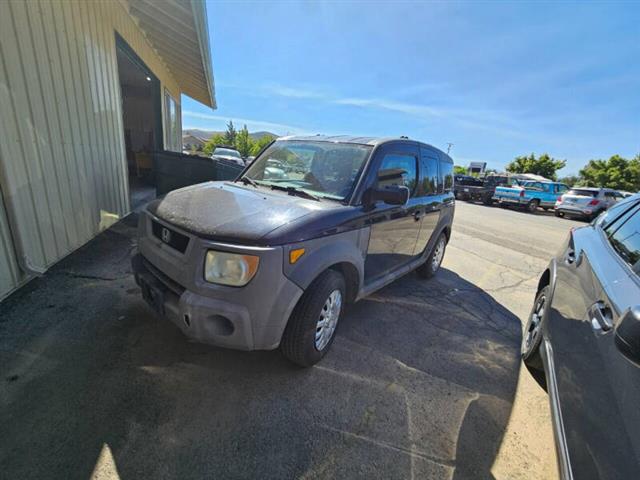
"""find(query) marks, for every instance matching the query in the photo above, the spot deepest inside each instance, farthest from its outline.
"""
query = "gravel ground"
(423, 380)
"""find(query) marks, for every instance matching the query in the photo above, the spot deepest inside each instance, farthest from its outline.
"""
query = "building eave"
(178, 32)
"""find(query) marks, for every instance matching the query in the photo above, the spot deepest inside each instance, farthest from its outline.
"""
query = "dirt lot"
(423, 381)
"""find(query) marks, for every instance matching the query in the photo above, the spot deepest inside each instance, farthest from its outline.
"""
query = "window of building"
(398, 169)
(172, 123)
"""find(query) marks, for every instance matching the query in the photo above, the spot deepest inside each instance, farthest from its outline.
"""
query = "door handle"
(600, 317)
(570, 257)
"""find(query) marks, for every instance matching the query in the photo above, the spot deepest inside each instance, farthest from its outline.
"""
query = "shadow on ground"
(419, 384)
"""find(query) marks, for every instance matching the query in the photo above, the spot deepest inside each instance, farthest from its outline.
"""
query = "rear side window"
(398, 169)
(562, 188)
(429, 173)
(624, 236)
(446, 171)
(583, 193)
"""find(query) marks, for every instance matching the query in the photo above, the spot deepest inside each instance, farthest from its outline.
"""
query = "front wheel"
(429, 268)
(312, 325)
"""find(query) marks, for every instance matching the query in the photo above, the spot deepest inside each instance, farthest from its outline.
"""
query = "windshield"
(325, 169)
(583, 193)
(227, 152)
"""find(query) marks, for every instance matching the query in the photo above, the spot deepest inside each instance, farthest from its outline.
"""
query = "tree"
(544, 165)
(212, 143)
(230, 134)
(617, 172)
(244, 143)
(259, 144)
(570, 180)
(459, 170)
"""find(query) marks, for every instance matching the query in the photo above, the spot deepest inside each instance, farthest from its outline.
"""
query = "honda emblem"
(166, 235)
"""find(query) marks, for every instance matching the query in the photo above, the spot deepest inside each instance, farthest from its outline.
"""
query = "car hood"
(231, 212)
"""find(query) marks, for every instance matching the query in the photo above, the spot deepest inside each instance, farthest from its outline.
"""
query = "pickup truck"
(481, 189)
(531, 195)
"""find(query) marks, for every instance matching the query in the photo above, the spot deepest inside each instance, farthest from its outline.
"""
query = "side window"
(610, 195)
(446, 170)
(429, 169)
(398, 169)
(547, 187)
(625, 238)
(562, 189)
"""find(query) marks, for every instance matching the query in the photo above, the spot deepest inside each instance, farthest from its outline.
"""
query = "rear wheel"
(558, 213)
(312, 325)
(429, 268)
(533, 205)
(487, 200)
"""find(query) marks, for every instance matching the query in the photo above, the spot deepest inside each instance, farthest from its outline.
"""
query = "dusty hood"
(227, 211)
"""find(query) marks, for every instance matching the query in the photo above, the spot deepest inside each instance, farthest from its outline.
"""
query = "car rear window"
(624, 236)
(583, 193)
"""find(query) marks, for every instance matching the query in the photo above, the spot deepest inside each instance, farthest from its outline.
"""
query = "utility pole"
(449, 145)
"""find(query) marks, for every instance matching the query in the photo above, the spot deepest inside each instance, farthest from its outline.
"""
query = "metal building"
(88, 90)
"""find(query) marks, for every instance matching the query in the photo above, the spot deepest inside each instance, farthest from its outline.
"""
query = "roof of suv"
(373, 141)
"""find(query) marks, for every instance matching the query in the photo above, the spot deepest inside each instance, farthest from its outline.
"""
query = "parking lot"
(423, 380)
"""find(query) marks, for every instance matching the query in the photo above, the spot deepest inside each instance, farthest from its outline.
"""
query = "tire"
(558, 214)
(487, 201)
(532, 336)
(300, 339)
(429, 268)
(533, 205)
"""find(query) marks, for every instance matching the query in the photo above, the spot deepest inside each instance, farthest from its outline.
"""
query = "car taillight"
(522, 193)
(559, 199)
(594, 202)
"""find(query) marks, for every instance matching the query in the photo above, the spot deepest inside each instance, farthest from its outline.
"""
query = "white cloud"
(278, 128)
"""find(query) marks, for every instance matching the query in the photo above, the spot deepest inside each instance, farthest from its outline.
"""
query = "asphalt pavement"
(423, 379)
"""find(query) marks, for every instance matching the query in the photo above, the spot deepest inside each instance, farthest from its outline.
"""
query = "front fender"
(324, 252)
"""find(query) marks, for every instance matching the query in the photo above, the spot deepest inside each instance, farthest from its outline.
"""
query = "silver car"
(586, 202)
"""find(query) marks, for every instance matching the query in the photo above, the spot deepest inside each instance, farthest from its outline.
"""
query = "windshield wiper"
(295, 191)
(249, 180)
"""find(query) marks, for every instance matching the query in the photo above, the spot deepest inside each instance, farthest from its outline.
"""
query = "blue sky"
(496, 79)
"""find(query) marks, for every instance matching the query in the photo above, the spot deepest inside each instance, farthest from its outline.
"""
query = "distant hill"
(207, 134)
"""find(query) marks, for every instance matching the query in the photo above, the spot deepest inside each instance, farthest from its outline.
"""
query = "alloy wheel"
(438, 254)
(532, 331)
(328, 320)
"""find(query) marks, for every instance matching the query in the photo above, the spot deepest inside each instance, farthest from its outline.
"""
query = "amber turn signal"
(294, 255)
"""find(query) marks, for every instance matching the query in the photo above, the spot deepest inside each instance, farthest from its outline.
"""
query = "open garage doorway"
(142, 122)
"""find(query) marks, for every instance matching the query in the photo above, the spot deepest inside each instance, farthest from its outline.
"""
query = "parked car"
(228, 154)
(261, 262)
(484, 188)
(583, 335)
(586, 202)
(531, 195)
(464, 181)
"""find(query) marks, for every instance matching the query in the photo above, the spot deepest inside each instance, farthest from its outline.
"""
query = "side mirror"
(392, 195)
(627, 334)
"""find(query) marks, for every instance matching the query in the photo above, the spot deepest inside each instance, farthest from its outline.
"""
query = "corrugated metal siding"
(62, 153)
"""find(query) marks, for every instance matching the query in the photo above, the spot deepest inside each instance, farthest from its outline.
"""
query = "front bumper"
(252, 317)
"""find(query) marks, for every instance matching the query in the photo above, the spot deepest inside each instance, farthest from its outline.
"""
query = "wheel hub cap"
(535, 321)
(328, 319)
(438, 253)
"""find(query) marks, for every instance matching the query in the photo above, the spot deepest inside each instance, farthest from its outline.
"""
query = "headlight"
(229, 268)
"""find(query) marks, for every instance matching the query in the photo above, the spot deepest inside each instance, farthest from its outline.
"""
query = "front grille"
(169, 236)
(172, 285)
